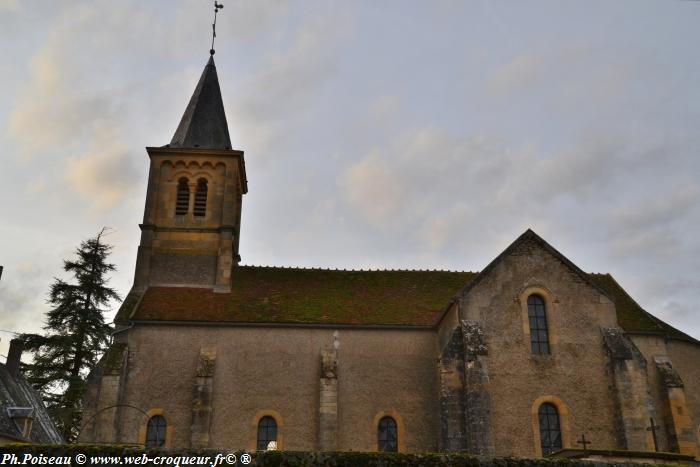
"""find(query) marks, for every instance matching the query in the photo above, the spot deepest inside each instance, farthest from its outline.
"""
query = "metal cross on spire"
(217, 7)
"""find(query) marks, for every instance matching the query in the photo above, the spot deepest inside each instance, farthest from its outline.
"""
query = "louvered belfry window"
(200, 198)
(182, 204)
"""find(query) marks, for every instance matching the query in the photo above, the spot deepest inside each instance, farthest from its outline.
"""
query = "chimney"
(14, 354)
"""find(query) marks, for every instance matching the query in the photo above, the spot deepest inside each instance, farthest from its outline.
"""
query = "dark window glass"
(155, 432)
(550, 432)
(267, 431)
(539, 338)
(387, 437)
(182, 203)
(200, 198)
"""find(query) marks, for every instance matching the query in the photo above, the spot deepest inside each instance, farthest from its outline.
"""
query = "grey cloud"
(653, 211)
(653, 224)
(515, 76)
(21, 291)
(427, 169)
(660, 245)
(661, 286)
(447, 189)
(287, 81)
(9, 5)
(104, 178)
(63, 111)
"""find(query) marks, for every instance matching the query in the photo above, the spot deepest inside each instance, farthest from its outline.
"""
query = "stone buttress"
(202, 398)
(633, 401)
(328, 399)
(465, 402)
(677, 420)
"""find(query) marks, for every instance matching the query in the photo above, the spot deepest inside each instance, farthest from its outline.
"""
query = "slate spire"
(203, 124)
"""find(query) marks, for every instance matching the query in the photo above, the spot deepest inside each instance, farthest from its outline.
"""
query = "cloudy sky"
(394, 134)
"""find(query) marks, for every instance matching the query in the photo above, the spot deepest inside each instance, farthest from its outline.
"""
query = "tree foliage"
(75, 334)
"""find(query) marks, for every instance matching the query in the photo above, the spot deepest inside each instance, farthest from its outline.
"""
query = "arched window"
(155, 432)
(539, 338)
(550, 430)
(182, 203)
(387, 435)
(267, 431)
(200, 198)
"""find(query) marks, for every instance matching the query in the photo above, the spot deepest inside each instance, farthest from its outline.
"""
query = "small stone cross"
(584, 442)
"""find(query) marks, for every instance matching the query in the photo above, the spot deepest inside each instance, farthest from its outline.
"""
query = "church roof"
(323, 296)
(203, 124)
(631, 316)
(311, 296)
(334, 297)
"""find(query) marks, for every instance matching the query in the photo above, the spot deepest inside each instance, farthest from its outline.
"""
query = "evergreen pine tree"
(75, 335)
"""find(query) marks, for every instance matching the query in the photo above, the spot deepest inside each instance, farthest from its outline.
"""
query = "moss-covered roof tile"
(630, 315)
(323, 296)
(318, 296)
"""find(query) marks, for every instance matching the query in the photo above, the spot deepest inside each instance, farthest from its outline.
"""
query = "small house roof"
(19, 399)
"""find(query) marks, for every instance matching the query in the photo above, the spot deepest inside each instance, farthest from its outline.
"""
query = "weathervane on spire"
(217, 7)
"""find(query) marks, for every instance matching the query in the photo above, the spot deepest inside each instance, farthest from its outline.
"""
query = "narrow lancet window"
(200, 198)
(537, 316)
(155, 432)
(267, 432)
(550, 431)
(182, 204)
(387, 436)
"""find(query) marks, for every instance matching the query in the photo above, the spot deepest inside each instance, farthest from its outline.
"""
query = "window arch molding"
(176, 163)
(143, 429)
(192, 176)
(253, 446)
(562, 411)
(550, 302)
(400, 429)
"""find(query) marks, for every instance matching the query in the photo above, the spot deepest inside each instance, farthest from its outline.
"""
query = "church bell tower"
(192, 218)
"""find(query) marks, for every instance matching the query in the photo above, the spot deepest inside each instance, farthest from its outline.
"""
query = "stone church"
(524, 358)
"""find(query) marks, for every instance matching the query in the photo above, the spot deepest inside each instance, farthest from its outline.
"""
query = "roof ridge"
(370, 269)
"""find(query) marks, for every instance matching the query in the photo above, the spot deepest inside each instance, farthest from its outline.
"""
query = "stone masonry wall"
(574, 375)
(276, 371)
